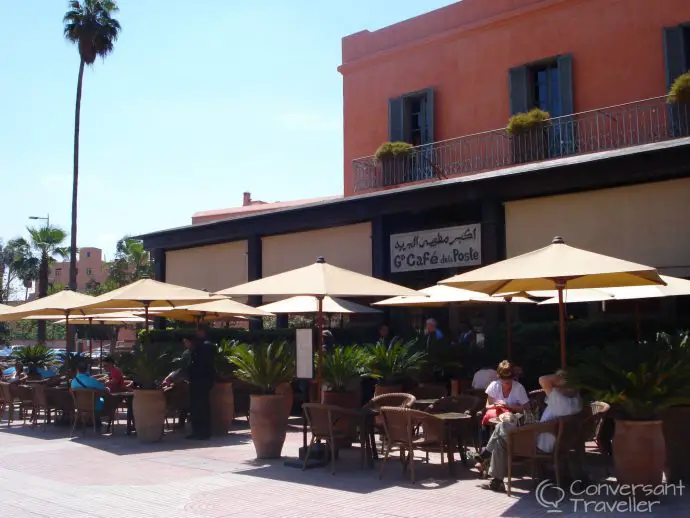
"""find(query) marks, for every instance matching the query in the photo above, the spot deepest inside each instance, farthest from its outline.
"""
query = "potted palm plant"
(265, 367)
(70, 361)
(222, 397)
(342, 367)
(34, 357)
(529, 137)
(394, 161)
(392, 364)
(148, 366)
(642, 384)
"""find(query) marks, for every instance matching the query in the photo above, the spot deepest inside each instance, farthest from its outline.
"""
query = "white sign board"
(305, 353)
(451, 247)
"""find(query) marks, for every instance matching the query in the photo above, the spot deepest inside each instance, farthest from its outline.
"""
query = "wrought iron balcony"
(614, 127)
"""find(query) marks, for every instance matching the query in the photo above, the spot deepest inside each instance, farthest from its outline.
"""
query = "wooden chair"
(331, 424)
(23, 396)
(398, 399)
(400, 425)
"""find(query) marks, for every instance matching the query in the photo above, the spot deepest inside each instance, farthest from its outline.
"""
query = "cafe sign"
(450, 247)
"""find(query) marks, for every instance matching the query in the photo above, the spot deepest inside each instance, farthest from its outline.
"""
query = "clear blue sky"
(198, 103)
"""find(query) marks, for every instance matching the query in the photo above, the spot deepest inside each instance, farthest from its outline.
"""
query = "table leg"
(130, 417)
(449, 443)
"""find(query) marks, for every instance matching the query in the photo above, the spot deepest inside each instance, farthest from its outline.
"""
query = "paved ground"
(45, 474)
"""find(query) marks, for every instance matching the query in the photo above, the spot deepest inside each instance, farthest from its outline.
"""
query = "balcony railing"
(614, 127)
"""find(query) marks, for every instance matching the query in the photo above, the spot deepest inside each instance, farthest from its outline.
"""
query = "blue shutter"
(565, 83)
(519, 88)
(428, 132)
(674, 54)
(562, 132)
(395, 119)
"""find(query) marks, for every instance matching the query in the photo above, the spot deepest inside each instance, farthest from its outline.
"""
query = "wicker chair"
(177, 401)
(7, 401)
(85, 408)
(538, 397)
(393, 400)
(23, 395)
(471, 405)
(400, 424)
(41, 403)
(331, 424)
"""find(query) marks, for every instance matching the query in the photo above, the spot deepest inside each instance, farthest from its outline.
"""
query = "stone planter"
(285, 390)
(675, 425)
(530, 146)
(148, 407)
(268, 424)
(222, 408)
(639, 452)
(344, 399)
(393, 169)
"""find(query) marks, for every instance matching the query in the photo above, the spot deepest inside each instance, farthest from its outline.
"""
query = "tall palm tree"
(132, 262)
(91, 26)
(46, 245)
(16, 263)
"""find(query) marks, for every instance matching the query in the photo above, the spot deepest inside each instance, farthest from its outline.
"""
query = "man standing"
(201, 378)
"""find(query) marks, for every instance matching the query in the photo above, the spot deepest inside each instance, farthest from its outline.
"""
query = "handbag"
(493, 413)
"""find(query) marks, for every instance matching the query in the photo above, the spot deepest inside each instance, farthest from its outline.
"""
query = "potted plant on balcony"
(394, 161)
(265, 367)
(640, 385)
(529, 137)
(342, 367)
(392, 364)
(679, 97)
(680, 90)
(222, 396)
(148, 366)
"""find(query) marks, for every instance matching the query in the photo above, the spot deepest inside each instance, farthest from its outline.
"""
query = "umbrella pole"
(509, 327)
(638, 333)
(90, 338)
(561, 319)
(319, 341)
(146, 321)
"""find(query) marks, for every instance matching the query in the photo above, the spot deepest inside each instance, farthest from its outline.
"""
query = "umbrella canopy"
(674, 287)
(557, 266)
(60, 304)
(220, 309)
(302, 304)
(120, 317)
(320, 280)
(4, 307)
(147, 293)
(439, 296)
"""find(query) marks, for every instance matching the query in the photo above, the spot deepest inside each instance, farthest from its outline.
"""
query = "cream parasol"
(220, 309)
(304, 304)
(557, 266)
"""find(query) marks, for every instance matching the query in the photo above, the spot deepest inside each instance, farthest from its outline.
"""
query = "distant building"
(91, 270)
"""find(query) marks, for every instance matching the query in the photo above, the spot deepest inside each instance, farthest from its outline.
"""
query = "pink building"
(91, 269)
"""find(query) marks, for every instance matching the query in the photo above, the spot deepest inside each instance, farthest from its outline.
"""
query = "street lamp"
(47, 219)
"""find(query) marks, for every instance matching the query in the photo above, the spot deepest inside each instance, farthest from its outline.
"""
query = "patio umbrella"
(674, 287)
(440, 296)
(304, 304)
(220, 309)
(320, 280)
(145, 294)
(557, 266)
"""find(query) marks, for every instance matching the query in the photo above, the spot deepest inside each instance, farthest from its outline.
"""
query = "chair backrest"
(401, 400)
(40, 397)
(85, 400)
(399, 423)
(592, 426)
(570, 436)
(177, 397)
(5, 394)
(460, 404)
(429, 391)
(322, 418)
(538, 399)
(23, 393)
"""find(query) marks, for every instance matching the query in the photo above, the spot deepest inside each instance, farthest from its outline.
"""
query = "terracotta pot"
(149, 414)
(344, 399)
(675, 426)
(285, 390)
(268, 423)
(222, 408)
(387, 389)
(639, 452)
(455, 389)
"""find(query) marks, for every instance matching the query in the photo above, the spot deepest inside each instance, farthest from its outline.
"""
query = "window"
(88, 254)
(411, 118)
(89, 271)
(545, 89)
(58, 271)
(676, 51)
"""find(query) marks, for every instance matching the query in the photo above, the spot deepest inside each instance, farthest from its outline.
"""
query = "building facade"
(92, 270)
(610, 171)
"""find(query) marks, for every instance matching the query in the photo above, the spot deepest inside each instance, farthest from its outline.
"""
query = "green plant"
(70, 362)
(34, 357)
(392, 149)
(264, 366)
(680, 90)
(148, 365)
(393, 363)
(221, 361)
(341, 365)
(641, 380)
(523, 122)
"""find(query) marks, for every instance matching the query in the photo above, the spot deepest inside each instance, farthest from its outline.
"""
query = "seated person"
(115, 381)
(83, 381)
(561, 401)
(503, 395)
(483, 378)
(15, 374)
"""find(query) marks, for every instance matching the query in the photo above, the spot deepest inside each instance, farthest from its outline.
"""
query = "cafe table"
(452, 421)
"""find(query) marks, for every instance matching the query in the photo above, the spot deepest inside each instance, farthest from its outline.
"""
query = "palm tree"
(132, 262)
(16, 263)
(45, 244)
(90, 25)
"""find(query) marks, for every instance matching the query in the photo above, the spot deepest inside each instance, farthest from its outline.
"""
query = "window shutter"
(565, 83)
(428, 132)
(674, 54)
(395, 119)
(518, 85)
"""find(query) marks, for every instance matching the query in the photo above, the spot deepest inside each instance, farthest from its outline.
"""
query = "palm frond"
(264, 366)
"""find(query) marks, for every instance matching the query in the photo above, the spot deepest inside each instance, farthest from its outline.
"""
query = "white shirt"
(483, 378)
(517, 396)
(557, 405)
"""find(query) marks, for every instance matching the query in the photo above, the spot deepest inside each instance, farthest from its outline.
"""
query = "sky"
(198, 103)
